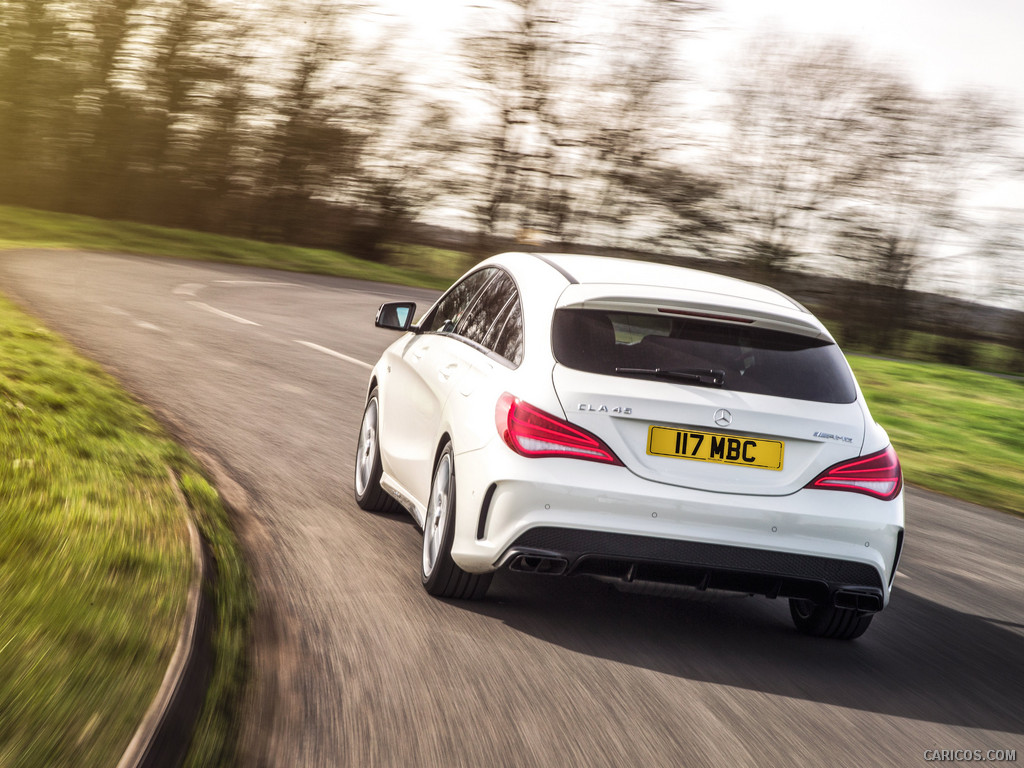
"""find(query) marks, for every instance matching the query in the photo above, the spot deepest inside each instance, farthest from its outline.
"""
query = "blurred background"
(869, 164)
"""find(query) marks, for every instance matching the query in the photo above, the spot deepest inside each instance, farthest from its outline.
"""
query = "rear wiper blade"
(707, 376)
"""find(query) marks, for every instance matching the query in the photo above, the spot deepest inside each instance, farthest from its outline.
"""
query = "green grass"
(446, 265)
(923, 347)
(28, 228)
(94, 557)
(957, 431)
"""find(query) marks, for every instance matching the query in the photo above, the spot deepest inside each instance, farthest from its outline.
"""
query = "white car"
(576, 415)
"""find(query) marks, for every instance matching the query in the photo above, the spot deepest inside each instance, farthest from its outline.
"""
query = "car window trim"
(490, 353)
(487, 350)
(516, 297)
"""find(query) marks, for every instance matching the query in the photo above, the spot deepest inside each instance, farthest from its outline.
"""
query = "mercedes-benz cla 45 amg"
(576, 415)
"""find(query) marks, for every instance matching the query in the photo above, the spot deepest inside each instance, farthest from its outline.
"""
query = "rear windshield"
(702, 353)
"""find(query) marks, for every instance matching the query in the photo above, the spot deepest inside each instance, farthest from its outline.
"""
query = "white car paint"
(435, 388)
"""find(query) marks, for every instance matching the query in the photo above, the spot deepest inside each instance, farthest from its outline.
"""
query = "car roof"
(607, 270)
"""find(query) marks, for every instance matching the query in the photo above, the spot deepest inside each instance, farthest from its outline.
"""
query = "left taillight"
(877, 475)
(531, 432)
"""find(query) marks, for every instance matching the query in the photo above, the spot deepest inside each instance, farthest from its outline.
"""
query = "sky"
(944, 44)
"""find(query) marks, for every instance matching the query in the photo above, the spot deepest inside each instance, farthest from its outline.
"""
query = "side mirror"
(396, 315)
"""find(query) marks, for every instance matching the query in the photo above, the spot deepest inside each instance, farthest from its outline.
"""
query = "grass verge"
(919, 347)
(95, 560)
(29, 228)
(957, 431)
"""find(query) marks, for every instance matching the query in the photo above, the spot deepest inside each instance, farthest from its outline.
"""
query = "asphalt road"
(263, 375)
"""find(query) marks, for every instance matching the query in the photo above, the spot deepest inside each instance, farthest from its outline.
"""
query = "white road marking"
(222, 313)
(332, 353)
(187, 289)
(136, 322)
(902, 575)
(289, 388)
(255, 282)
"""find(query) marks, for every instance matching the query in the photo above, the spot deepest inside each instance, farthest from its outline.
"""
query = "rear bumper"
(605, 521)
(564, 551)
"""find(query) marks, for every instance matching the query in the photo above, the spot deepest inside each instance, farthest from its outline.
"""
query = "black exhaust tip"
(859, 600)
(549, 566)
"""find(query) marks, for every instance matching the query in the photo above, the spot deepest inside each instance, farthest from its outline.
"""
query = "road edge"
(163, 736)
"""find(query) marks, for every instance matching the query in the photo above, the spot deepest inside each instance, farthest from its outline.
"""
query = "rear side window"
(452, 306)
(489, 304)
(754, 360)
(494, 321)
(506, 336)
(483, 308)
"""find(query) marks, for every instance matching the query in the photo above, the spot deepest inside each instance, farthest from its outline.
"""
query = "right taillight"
(529, 431)
(878, 475)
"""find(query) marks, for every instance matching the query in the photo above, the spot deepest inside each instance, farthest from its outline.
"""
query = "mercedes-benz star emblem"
(723, 418)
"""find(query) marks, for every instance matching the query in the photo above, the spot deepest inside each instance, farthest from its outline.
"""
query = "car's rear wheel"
(820, 620)
(441, 576)
(366, 483)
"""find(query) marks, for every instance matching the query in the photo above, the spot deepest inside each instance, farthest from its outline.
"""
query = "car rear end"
(711, 435)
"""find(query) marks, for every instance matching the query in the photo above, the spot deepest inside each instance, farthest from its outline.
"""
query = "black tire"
(828, 621)
(440, 575)
(366, 480)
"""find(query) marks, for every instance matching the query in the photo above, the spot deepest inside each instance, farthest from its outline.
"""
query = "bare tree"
(910, 208)
(192, 94)
(40, 83)
(171, 111)
(799, 136)
(519, 64)
(836, 163)
(579, 119)
(405, 167)
(353, 139)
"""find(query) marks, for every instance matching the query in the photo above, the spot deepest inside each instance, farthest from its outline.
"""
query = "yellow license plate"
(720, 449)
